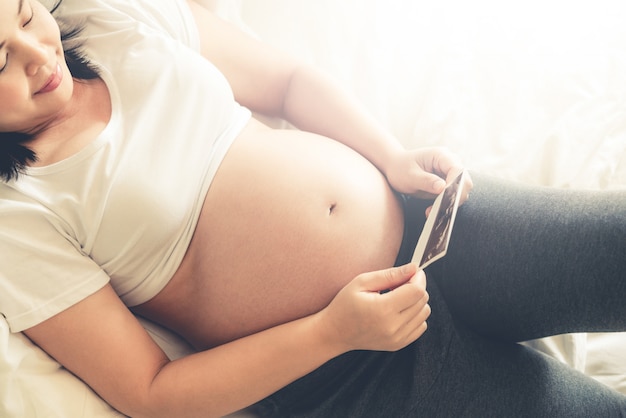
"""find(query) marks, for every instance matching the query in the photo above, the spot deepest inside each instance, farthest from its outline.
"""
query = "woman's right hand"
(365, 316)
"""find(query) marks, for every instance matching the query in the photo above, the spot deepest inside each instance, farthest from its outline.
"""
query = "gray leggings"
(523, 263)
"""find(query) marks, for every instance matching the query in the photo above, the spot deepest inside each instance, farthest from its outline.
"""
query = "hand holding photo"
(433, 242)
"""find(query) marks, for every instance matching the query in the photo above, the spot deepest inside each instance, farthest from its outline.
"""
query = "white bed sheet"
(533, 91)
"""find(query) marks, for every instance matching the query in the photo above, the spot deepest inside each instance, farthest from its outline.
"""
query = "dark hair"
(14, 155)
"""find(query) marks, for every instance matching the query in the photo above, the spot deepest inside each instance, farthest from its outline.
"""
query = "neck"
(77, 124)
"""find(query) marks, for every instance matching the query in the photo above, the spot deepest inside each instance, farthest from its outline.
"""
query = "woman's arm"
(100, 341)
(275, 84)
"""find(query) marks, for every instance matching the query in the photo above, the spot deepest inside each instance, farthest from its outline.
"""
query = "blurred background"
(533, 90)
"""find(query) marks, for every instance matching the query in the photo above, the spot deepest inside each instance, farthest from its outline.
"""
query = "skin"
(31, 50)
(62, 121)
(235, 367)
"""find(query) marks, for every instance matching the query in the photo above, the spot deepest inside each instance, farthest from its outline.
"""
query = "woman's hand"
(383, 310)
(425, 172)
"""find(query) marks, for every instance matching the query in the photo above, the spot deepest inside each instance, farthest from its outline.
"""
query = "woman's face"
(35, 83)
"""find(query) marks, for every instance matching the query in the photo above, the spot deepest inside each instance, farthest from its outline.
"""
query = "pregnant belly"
(289, 219)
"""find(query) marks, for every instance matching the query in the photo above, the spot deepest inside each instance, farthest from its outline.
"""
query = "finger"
(419, 278)
(414, 310)
(447, 164)
(427, 185)
(466, 187)
(418, 332)
(416, 324)
(440, 168)
(388, 279)
(408, 294)
(415, 296)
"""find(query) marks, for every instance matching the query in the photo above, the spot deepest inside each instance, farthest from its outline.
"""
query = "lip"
(53, 81)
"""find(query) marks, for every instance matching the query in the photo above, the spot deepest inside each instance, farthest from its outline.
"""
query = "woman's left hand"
(425, 172)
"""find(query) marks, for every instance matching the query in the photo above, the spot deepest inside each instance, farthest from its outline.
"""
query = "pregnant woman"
(137, 180)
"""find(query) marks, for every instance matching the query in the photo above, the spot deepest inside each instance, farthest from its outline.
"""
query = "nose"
(34, 54)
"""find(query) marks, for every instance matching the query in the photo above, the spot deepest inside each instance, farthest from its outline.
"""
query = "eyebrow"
(20, 5)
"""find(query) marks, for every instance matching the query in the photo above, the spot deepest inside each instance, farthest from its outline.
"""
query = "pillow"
(35, 385)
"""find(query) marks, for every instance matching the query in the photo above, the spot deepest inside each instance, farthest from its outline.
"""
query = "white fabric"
(534, 91)
(125, 206)
(606, 359)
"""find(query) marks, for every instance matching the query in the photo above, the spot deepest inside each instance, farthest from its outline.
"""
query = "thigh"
(527, 262)
(484, 377)
(450, 371)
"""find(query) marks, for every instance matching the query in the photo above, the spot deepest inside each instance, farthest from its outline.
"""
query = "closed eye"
(30, 19)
